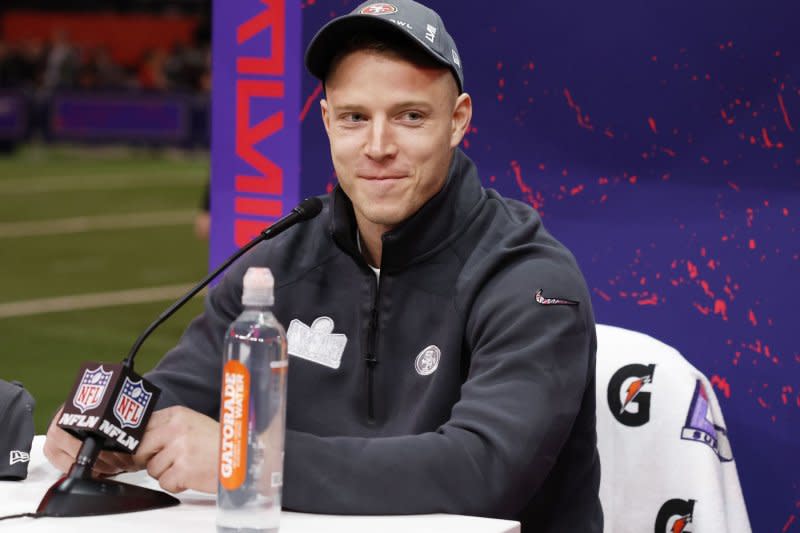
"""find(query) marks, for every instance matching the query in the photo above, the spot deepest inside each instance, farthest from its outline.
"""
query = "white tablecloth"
(197, 513)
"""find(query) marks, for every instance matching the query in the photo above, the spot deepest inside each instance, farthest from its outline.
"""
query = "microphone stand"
(78, 493)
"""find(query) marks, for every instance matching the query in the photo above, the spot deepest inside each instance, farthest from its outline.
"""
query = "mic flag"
(110, 402)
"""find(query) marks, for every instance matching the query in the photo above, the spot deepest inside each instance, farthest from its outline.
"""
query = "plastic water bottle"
(252, 413)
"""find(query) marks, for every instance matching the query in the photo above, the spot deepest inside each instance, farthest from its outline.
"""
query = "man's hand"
(61, 448)
(180, 449)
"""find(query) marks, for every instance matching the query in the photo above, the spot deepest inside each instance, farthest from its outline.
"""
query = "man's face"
(392, 127)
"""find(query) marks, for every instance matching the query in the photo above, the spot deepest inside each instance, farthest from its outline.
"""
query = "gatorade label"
(233, 425)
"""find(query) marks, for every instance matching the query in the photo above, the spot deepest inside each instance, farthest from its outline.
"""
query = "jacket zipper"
(370, 357)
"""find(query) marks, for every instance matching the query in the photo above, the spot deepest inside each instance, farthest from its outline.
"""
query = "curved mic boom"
(109, 407)
(305, 210)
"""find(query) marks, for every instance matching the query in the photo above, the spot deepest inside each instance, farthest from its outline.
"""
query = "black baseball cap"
(421, 25)
(16, 419)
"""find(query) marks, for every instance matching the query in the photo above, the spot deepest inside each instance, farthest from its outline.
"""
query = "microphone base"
(86, 497)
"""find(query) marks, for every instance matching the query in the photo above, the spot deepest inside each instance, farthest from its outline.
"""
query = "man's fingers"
(171, 481)
(58, 439)
(60, 448)
(160, 418)
(123, 461)
(153, 441)
(67, 443)
(159, 464)
(61, 460)
(102, 466)
(180, 448)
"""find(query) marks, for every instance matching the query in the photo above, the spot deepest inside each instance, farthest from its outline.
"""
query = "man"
(466, 383)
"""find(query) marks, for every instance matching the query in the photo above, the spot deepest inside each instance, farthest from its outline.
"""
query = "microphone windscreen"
(309, 208)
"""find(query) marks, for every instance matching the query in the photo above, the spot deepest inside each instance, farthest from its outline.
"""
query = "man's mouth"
(381, 177)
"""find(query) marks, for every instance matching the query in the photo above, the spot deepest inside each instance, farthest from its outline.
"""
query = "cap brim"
(329, 39)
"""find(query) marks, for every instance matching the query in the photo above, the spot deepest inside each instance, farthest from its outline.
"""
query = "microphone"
(305, 210)
(110, 404)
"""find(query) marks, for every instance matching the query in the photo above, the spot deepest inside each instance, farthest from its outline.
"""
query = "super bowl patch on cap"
(16, 419)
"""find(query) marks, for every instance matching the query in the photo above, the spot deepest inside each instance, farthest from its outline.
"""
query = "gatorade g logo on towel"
(675, 516)
(233, 425)
(627, 398)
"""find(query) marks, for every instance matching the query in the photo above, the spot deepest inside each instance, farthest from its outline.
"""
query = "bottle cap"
(258, 287)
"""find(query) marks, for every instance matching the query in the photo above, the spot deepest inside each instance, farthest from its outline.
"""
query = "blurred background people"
(103, 156)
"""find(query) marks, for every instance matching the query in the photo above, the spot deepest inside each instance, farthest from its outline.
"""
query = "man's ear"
(323, 107)
(462, 115)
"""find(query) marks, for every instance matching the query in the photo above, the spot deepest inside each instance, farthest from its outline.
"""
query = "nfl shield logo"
(91, 389)
(131, 403)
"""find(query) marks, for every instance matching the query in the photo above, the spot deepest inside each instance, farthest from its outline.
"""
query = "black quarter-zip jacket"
(458, 390)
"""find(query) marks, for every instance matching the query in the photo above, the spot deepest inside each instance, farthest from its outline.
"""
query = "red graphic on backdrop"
(250, 136)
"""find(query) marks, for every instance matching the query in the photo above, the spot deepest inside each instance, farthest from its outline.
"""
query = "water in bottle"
(252, 413)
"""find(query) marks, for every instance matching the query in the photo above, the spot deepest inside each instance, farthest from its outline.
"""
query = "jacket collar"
(442, 218)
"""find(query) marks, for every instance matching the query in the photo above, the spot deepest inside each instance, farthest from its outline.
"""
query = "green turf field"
(77, 222)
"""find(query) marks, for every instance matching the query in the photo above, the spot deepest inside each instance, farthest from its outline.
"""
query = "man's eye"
(354, 117)
(413, 116)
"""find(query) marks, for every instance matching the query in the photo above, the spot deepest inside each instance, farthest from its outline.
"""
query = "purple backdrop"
(659, 140)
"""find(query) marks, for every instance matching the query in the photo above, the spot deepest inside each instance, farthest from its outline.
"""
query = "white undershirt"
(376, 270)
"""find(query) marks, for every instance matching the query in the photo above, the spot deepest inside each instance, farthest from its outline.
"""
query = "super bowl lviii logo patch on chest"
(131, 403)
(316, 343)
(91, 389)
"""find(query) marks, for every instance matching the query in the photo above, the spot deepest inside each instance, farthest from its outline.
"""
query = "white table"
(197, 512)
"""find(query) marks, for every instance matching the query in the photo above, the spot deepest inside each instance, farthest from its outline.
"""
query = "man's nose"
(380, 143)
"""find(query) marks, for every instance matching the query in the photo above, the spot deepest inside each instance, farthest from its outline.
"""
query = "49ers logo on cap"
(380, 8)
